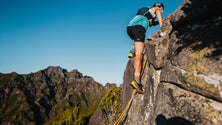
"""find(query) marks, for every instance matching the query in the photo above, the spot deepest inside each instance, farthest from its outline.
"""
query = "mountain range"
(49, 96)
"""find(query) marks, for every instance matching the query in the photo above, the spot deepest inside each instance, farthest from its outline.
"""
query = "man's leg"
(139, 47)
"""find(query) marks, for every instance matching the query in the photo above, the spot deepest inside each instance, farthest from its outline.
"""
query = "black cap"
(158, 4)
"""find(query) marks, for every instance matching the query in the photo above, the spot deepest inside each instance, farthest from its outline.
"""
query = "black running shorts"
(136, 33)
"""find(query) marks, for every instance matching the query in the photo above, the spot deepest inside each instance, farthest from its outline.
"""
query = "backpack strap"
(145, 12)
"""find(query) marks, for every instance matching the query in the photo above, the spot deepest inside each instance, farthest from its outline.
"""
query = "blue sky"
(75, 34)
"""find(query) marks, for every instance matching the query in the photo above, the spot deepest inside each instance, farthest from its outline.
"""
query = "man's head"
(158, 4)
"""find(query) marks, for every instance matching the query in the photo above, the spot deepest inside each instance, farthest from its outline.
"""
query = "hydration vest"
(145, 12)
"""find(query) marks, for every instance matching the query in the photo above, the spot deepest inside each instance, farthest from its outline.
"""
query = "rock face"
(183, 74)
(51, 93)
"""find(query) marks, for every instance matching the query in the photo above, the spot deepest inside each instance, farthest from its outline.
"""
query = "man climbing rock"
(136, 30)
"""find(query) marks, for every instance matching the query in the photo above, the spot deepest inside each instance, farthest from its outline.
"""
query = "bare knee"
(139, 55)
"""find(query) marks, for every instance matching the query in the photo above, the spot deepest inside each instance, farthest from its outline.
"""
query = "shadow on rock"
(200, 28)
(161, 120)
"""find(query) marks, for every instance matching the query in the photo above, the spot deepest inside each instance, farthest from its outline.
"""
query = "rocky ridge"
(49, 96)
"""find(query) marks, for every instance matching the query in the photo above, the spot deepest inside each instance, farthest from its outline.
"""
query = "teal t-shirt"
(139, 20)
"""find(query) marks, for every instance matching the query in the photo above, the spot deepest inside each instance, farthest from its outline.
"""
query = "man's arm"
(159, 16)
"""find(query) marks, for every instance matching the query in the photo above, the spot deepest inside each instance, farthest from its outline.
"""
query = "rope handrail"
(123, 114)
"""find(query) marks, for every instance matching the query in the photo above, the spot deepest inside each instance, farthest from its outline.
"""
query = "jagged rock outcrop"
(52, 95)
(183, 76)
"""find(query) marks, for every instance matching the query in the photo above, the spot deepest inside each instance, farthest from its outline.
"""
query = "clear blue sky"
(75, 34)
